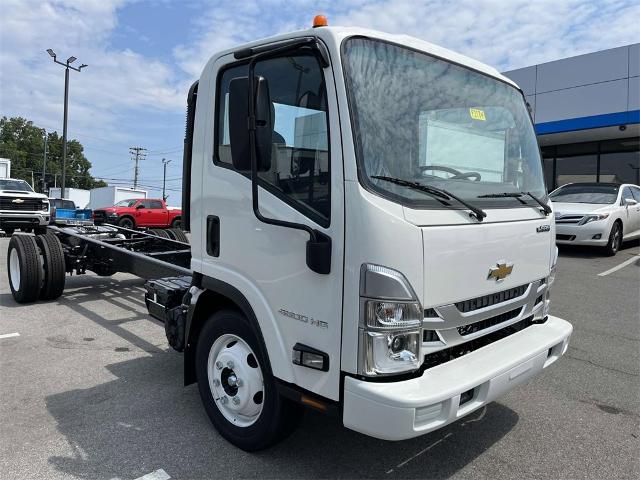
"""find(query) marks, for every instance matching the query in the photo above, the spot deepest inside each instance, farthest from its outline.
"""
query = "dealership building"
(586, 111)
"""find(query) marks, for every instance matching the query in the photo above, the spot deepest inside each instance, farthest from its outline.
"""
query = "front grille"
(569, 238)
(26, 205)
(442, 356)
(491, 299)
(569, 219)
(488, 323)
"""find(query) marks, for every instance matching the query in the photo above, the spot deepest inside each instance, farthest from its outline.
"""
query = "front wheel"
(237, 390)
(126, 222)
(615, 240)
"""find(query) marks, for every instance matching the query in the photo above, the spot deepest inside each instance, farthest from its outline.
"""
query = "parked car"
(65, 212)
(598, 214)
(139, 212)
(21, 207)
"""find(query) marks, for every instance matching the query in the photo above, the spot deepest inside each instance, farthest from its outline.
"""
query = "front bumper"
(12, 219)
(409, 408)
(583, 234)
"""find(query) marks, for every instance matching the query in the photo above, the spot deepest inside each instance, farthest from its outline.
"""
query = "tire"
(127, 222)
(54, 266)
(177, 234)
(262, 416)
(159, 232)
(176, 223)
(615, 240)
(24, 268)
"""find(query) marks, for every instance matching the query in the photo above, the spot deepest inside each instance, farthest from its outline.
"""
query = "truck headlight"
(390, 323)
(45, 206)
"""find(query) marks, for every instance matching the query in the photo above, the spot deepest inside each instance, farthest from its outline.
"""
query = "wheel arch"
(217, 295)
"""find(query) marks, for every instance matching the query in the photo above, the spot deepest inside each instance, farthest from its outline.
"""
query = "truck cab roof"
(337, 34)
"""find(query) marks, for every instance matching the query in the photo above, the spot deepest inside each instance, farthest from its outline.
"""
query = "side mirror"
(630, 202)
(239, 124)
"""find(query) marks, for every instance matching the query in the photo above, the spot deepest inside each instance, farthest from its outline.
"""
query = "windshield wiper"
(545, 207)
(434, 191)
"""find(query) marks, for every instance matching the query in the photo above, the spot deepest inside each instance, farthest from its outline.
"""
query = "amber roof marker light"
(320, 21)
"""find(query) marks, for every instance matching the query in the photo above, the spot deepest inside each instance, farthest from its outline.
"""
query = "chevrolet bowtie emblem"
(500, 271)
(17, 200)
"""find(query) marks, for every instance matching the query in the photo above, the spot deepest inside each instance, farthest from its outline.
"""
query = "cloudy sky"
(143, 55)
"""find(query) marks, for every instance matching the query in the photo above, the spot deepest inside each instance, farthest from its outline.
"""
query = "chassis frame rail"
(106, 250)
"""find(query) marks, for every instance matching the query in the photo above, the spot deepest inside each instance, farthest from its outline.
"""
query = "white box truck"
(109, 196)
(78, 196)
(5, 168)
(391, 264)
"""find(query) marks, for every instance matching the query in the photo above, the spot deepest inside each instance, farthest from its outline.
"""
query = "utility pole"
(67, 66)
(165, 162)
(138, 153)
(44, 161)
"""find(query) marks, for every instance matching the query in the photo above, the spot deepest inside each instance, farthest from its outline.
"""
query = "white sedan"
(599, 214)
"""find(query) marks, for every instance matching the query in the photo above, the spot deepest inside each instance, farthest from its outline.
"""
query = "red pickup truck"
(139, 212)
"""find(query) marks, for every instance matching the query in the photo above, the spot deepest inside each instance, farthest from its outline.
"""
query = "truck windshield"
(15, 185)
(422, 119)
(126, 203)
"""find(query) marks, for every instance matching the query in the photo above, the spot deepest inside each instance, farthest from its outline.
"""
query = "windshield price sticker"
(477, 114)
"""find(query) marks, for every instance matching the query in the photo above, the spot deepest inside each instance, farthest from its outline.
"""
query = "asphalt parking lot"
(89, 389)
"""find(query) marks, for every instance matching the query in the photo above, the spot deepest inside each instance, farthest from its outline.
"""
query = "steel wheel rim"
(235, 380)
(14, 269)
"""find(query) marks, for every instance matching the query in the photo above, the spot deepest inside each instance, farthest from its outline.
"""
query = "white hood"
(458, 258)
(562, 208)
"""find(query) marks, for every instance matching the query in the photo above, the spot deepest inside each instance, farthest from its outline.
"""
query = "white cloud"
(504, 33)
(115, 83)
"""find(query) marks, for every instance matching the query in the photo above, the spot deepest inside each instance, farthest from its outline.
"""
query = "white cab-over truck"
(370, 236)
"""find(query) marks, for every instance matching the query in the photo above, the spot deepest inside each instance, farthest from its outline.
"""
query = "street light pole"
(67, 66)
(165, 162)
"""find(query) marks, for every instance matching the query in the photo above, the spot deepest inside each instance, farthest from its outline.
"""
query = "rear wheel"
(177, 234)
(127, 222)
(159, 232)
(236, 387)
(615, 240)
(24, 268)
(54, 267)
(177, 223)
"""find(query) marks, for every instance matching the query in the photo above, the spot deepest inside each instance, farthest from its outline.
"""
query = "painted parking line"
(9, 335)
(159, 474)
(629, 261)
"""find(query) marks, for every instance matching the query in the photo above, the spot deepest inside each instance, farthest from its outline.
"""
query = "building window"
(581, 168)
(622, 167)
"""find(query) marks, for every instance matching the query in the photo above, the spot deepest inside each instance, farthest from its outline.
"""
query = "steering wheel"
(457, 174)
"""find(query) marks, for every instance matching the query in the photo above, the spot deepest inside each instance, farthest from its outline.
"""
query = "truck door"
(266, 263)
(157, 213)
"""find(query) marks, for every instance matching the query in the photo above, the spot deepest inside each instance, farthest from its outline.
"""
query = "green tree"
(23, 143)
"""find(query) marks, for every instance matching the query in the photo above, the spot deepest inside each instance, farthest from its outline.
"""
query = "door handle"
(213, 236)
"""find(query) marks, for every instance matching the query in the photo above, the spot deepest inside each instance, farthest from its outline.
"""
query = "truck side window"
(155, 204)
(300, 166)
